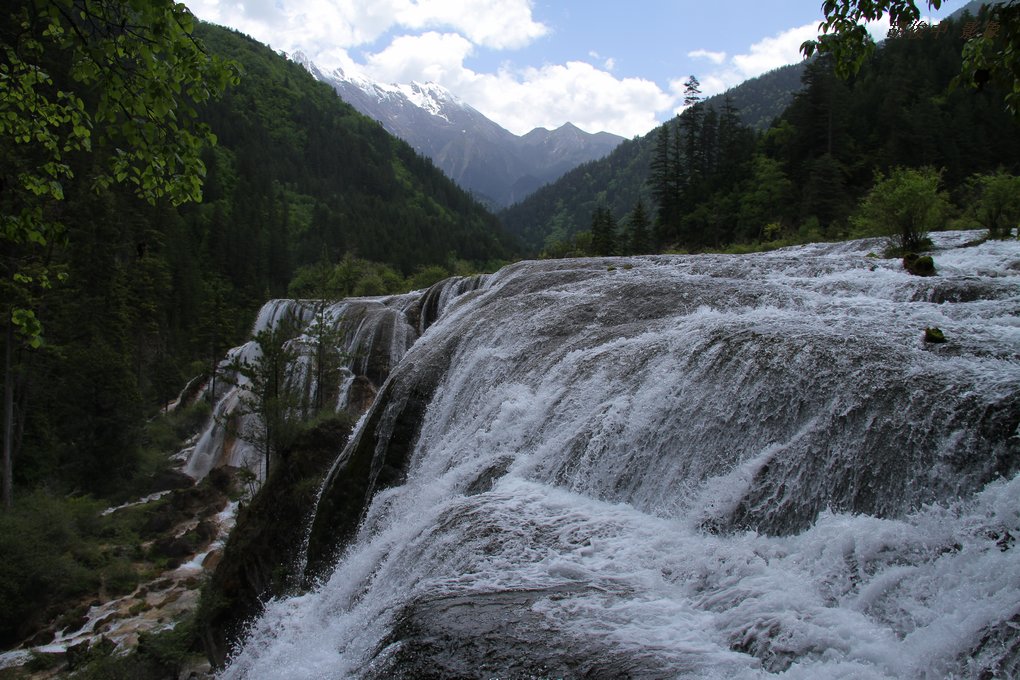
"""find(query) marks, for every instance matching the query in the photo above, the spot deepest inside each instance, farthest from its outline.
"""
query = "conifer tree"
(639, 236)
(691, 120)
(603, 230)
(662, 181)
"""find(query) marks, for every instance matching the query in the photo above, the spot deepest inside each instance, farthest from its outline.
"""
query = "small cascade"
(681, 466)
(438, 297)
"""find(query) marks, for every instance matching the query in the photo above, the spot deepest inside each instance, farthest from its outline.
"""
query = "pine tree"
(692, 119)
(603, 228)
(639, 236)
(663, 182)
(689, 168)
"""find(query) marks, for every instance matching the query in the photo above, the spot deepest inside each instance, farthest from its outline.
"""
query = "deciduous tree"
(906, 205)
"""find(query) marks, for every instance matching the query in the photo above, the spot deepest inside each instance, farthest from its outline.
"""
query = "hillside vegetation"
(708, 181)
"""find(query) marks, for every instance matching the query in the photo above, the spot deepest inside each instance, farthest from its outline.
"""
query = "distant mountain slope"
(565, 206)
(974, 7)
(494, 164)
(807, 178)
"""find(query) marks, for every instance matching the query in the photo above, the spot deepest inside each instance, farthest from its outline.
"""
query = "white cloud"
(307, 23)
(578, 92)
(319, 26)
(714, 57)
(523, 99)
(435, 57)
(499, 24)
(775, 51)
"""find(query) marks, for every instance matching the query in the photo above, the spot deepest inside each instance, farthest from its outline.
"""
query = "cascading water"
(368, 336)
(659, 467)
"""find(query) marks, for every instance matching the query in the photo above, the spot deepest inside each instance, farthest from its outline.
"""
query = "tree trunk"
(8, 490)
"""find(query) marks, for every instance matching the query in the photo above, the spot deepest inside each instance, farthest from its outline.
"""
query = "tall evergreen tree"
(691, 121)
(662, 182)
(639, 236)
(603, 228)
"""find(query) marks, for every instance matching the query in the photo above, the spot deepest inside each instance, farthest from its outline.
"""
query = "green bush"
(158, 656)
(426, 276)
(904, 206)
(121, 578)
(45, 559)
(995, 202)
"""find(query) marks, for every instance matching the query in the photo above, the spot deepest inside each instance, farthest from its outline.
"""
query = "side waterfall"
(372, 335)
(680, 467)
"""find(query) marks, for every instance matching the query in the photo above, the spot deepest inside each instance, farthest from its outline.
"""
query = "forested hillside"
(708, 181)
(154, 294)
(760, 100)
(112, 304)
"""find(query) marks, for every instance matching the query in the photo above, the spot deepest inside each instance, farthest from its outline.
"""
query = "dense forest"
(762, 99)
(706, 180)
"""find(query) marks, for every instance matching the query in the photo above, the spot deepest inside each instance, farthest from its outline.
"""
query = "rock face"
(705, 466)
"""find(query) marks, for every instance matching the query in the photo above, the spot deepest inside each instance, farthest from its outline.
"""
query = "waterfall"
(681, 466)
(368, 336)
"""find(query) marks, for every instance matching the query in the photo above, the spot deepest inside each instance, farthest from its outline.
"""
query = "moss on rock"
(919, 265)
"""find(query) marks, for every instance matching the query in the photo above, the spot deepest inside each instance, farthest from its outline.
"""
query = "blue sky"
(615, 66)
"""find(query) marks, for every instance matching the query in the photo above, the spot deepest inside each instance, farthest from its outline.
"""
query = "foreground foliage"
(991, 52)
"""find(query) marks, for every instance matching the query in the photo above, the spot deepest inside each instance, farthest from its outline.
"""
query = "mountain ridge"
(498, 167)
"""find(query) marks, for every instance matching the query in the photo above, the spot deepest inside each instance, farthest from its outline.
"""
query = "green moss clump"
(934, 335)
(919, 265)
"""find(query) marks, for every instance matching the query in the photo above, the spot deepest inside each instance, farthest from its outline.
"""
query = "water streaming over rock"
(367, 335)
(659, 467)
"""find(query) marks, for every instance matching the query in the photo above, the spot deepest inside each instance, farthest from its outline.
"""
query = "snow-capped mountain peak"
(496, 165)
(430, 97)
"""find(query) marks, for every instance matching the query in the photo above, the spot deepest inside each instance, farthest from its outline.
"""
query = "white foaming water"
(709, 466)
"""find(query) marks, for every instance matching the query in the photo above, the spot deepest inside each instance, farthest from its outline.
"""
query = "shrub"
(996, 202)
(904, 206)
